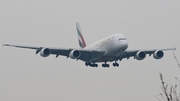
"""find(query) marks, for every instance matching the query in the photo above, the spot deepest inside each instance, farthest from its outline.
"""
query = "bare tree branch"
(170, 92)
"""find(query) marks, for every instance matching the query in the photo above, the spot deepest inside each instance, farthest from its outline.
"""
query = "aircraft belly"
(105, 59)
(109, 56)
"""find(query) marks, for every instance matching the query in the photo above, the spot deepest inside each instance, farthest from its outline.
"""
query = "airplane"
(109, 49)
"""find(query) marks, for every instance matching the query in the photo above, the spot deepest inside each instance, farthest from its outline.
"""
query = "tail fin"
(81, 40)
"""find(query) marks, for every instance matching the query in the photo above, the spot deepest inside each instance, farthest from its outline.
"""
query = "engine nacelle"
(74, 54)
(45, 52)
(140, 55)
(158, 54)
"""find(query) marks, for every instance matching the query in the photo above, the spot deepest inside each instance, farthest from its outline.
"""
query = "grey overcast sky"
(147, 24)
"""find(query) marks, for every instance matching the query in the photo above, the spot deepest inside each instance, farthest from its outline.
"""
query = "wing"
(85, 54)
(157, 53)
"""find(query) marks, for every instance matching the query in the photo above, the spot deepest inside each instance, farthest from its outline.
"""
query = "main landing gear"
(105, 65)
(115, 64)
(91, 64)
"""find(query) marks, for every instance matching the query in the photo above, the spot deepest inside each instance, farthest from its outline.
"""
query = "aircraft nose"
(124, 44)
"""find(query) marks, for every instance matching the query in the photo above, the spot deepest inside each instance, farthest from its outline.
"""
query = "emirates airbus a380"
(109, 49)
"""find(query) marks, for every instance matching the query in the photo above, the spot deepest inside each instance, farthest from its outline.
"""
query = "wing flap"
(86, 54)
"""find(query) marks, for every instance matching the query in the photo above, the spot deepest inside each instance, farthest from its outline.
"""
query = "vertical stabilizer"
(81, 40)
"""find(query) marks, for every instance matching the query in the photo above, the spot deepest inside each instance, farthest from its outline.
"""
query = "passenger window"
(122, 39)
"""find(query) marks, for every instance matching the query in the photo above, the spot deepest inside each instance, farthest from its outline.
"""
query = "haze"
(25, 76)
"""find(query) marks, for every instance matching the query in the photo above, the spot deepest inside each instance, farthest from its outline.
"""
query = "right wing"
(132, 53)
(85, 54)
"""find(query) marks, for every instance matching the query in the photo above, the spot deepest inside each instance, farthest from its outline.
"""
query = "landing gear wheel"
(105, 65)
(91, 65)
(87, 64)
(115, 64)
(95, 65)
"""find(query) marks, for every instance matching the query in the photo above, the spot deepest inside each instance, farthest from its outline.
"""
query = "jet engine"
(158, 54)
(45, 52)
(74, 54)
(140, 55)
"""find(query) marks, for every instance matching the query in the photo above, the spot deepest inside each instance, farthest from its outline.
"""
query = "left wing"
(141, 54)
(82, 54)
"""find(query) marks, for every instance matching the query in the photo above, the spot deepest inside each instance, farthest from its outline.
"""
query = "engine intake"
(74, 54)
(140, 55)
(158, 54)
(45, 52)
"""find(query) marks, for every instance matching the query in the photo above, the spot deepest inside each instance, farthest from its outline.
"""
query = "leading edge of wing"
(19, 46)
(86, 54)
(51, 48)
(151, 50)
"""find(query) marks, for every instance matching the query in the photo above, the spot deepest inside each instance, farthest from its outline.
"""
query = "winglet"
(174, 48)
(5, 45)
(81, 40)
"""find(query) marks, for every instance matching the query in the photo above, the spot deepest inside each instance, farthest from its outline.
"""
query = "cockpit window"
(122, 39)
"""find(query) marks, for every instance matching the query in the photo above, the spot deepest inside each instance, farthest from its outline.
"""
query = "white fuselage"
(112, 45)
